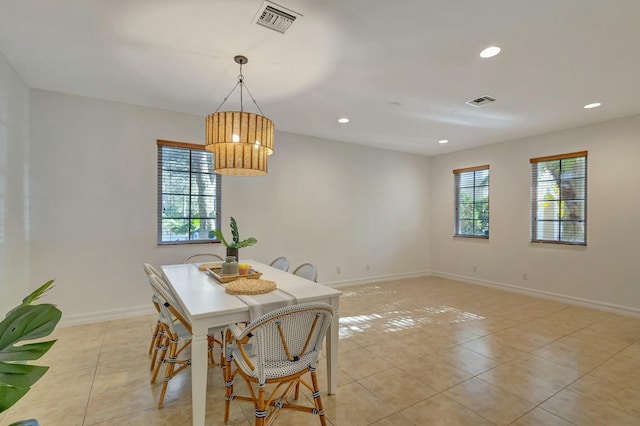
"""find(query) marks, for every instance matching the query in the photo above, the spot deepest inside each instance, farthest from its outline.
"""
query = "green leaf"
(27, 352)
(9, 395)
(20, 375)
(246, 243)
(38, 293)
(28, 322)
(234, 231)
(30, 422)
(219, 236)
(23, 323)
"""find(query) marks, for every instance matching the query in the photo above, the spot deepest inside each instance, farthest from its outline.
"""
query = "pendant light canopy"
(240, 141)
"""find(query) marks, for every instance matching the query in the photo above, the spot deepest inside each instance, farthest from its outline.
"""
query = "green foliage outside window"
(472, 203)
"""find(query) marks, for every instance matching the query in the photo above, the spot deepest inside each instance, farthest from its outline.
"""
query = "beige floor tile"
(575, 353)
(540, 417)
(487, 325)
(521, 384)
(401, 343)
(493, 347)
(68, 384)
(397, 388)
(466, 360)
(67, 412)
(548, 306)
(361, 363)
(396, 419)
(623, 328)
(581, 410)
(522, 340)
(613, 394)
(489, 401)
(355, 405)
(545, 369)
(601, 339)
(435, 373)
(441, 410)
(620, 369)
(546, 326)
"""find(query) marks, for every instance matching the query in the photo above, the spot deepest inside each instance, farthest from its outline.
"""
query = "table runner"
(260, 304)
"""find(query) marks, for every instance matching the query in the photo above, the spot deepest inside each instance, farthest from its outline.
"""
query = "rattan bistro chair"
(284, 345)
(281, 263)
(176, 336)
(158, 331)
(308, 271)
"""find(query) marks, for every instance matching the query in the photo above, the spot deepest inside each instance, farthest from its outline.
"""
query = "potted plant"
(24, 322)
(236, 244)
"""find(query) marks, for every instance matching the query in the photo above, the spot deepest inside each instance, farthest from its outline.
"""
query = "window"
(189, 194)
(472, 202)
(559, 199)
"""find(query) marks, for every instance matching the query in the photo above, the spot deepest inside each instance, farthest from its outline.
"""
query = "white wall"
(604, 272)
(94, 189)
(14, 168)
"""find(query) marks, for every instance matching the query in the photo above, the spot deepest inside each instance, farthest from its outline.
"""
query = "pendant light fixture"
(240, 141)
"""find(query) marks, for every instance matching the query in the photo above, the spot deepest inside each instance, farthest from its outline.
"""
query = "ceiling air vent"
(481, 101)
(275, 17)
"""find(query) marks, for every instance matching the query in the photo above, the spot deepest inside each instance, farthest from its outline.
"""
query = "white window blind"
(189, 194)
(472, 202)
(559, 198)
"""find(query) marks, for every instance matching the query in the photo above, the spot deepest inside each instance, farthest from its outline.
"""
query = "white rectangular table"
(208, 305)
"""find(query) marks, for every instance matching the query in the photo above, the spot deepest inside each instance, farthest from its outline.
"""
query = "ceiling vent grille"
(275, 17)
(481, 101)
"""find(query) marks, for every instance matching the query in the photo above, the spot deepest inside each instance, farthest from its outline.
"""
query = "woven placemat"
(250, 286)
(209, 265)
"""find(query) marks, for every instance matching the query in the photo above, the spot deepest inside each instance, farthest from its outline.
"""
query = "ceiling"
(401, 71)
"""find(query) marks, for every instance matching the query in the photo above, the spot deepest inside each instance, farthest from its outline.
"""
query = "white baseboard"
(117, 314)
(571, 300)
(114, 314)
(376, 279)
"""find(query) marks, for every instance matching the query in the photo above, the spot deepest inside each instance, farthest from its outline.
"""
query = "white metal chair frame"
(285, 345)
(202, 257)
(281, 263)
(307, 270)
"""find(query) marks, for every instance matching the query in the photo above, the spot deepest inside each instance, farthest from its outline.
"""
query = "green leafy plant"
(23, 323)
(236, 243)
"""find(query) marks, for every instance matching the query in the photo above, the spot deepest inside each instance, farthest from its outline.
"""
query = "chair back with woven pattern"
(285, 341)
(281, 263)
(202, 257)
(169, 306)
(307, 270)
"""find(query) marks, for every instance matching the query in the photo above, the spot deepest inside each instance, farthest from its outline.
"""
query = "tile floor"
(424, 351)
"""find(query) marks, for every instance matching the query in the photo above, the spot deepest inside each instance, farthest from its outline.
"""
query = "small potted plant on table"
(235, 244)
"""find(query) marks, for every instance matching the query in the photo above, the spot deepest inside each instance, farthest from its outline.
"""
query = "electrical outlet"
(368, 267)
(525, 276)
(338, 269)
(475, 268)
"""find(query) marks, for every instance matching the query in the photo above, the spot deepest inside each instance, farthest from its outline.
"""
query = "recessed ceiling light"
(593, 105)
(443, 141)
(490, 52)
(343, 120)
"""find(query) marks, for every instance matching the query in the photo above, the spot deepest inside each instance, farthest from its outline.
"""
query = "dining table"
(207, 304)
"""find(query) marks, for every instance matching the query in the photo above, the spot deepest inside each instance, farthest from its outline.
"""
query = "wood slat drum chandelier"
(240, 141)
